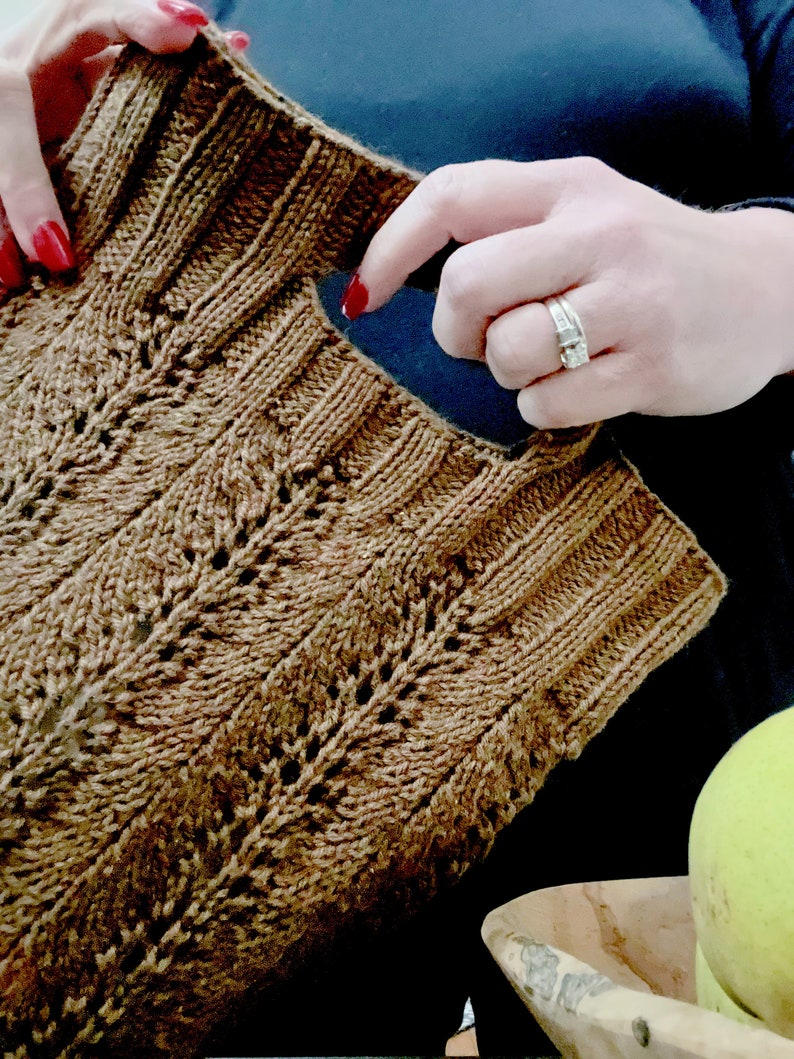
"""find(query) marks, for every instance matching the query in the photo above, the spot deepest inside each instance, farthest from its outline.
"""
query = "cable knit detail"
(281, 650)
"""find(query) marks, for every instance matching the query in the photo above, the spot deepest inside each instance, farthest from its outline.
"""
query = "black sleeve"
(767, 30)
(776, 202)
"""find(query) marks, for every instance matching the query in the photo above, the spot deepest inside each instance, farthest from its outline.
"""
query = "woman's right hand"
(49, 66)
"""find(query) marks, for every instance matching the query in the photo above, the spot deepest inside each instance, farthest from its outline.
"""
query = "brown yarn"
(280, 649)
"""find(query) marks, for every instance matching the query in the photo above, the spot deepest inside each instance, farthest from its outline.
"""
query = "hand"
(685, 312)
(49, 66)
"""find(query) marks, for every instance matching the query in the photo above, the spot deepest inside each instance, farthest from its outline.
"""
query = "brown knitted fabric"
(280, 649)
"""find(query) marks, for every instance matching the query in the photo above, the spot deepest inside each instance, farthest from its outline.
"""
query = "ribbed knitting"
(281, 650)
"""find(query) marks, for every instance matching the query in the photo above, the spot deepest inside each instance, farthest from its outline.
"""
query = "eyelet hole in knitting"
(364, 694)
(142, 631)
(133, 958)
(220, 559)
(241, 886)
(290, 772)
(156, 930)
(461, 565)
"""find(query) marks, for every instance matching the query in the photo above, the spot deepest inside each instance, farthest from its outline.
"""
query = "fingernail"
(187, 14)
(11, 273)
(355, 298)
(238, 40)
(52, 247)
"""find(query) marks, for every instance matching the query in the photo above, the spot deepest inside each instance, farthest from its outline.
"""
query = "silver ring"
(570, 333)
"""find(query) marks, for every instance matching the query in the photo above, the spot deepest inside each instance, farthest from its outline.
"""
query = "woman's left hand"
(49, 65)
(685, 312)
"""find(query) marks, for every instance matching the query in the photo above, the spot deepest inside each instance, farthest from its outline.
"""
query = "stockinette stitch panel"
(281, 650)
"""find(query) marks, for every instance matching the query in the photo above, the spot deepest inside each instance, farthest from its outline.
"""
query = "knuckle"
(620, 233)
(586, 172)
(505, 350)
(445, 336)
(546, 411)
(462, 278)
(628, 228)
(442, 189)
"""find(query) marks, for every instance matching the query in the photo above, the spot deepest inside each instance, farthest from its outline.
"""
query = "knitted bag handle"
(281, 650)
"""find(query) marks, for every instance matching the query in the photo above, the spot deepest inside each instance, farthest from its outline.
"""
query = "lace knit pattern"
(281, 650)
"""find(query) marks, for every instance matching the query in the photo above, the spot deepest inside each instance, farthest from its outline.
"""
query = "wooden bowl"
(607, 969)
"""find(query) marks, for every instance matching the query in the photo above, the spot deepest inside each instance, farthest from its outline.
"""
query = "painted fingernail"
(355, 298)
(186, 14)
(52, 247)
(11, 273)
(238, 40)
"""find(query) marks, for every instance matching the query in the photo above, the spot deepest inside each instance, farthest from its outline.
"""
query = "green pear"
(741, 867)
(713, 997)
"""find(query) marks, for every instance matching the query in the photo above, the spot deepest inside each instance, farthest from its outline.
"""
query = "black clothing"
(696, 99)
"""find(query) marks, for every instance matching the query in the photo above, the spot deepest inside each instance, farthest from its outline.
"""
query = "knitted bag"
(281, 649)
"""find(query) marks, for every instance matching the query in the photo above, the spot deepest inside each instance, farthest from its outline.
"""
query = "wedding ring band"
(570, 333)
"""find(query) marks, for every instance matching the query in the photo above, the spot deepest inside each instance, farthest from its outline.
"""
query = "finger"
(66, 33)
(487, 278)
(11, 272)
(164, 27)
(461, 202)
(61, 97)
(25, 188)
(70, 32)
(607, 386)
(522, 345)
(237, 40)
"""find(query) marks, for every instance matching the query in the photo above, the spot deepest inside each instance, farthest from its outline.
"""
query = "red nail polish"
(354, 300)
(187, 14)
(238, 40)
(11, 274)
(52, 247)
